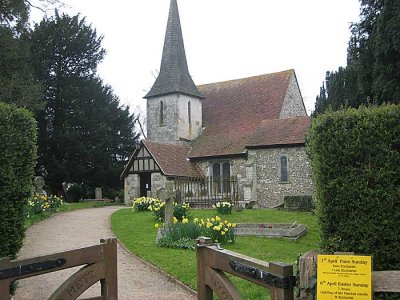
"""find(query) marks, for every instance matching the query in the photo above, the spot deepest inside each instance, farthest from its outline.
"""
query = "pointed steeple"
(174, 75)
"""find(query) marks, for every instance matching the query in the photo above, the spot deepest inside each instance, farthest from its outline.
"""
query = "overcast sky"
(224, 39)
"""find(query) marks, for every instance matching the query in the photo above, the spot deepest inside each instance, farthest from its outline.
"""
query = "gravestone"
(98, 193)
(39, 183)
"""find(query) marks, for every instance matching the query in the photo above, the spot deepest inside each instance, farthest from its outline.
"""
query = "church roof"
(174, 75)
(172, 158)
(280, 132)
(233, 110)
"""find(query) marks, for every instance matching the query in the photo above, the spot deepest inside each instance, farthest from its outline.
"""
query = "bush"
(355, 157)
(17, 161)
(143, 203)
(183, 234)
(223, 208)
(158, 208)
(41, 203)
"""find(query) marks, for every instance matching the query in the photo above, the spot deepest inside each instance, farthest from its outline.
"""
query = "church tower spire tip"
(174, 75)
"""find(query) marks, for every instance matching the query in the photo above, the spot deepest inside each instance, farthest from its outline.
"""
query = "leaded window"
(221, 174)
(161, 116)
(284, 169)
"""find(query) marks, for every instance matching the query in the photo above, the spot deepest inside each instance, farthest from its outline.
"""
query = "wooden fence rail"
(212, 263)
(100, 264)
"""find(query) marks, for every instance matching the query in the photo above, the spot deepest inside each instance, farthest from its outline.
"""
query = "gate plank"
(386, 281)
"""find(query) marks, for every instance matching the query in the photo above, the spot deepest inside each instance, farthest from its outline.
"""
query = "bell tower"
(174, 108)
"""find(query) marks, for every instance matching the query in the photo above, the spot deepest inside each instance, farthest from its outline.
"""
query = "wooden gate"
(100, 265)
(212, 262)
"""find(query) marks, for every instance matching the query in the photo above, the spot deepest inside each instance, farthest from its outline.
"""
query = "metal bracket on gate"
(268, 278)
(31, 268)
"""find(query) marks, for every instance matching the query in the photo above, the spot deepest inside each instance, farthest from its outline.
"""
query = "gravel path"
(82, 228)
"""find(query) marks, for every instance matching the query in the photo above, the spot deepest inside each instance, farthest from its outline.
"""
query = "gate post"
(204, 292)
(307, 275)
(5, 284)
(109, 285)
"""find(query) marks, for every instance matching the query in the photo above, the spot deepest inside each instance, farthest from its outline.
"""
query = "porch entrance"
(145, 183)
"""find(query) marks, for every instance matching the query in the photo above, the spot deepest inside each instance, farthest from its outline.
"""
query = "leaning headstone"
(98, 193)
(39, 183)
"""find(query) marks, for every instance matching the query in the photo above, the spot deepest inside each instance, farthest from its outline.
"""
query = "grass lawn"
(136, 231)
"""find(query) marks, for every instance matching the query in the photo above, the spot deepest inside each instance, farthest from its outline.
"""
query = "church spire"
(174, 75)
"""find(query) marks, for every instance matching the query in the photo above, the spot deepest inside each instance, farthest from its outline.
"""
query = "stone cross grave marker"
(167, 195)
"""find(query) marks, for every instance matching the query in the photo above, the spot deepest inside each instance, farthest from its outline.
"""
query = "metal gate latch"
(268, 278)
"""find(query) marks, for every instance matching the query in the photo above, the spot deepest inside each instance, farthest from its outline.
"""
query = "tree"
(339, 91)
(84, 134)
(17, 83)
(16, 12)
(386, 45)
(372, 75)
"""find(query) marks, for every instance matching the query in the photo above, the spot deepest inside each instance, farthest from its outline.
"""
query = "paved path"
(83, 228)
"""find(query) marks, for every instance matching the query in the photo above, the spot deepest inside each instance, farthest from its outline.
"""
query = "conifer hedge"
(17, 160)
(355, 158)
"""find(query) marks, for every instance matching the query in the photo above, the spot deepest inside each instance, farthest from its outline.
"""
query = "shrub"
(181, 210)
(158, 208)
(143, 203)
(223, 208)
(355, 156)
(178, 234)
(41, 203)
(219, 231)
(17, 160)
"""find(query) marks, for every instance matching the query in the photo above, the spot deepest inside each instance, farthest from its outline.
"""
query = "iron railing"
(204, 192)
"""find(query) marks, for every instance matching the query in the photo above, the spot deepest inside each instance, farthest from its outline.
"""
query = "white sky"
(224, 39)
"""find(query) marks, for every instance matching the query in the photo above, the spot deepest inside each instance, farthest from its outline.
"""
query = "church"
(241, 140)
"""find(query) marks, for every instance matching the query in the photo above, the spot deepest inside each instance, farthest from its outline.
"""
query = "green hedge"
(355, 158)
(17, 160)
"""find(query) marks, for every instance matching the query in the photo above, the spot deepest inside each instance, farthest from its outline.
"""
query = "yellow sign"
(344, 277)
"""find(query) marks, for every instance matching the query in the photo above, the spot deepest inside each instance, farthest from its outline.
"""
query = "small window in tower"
(190, 113)
(284, 169)
(190, 117)
(161, 121)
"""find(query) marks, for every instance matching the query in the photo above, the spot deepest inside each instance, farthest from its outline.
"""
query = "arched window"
(161, 120)
(284, 169)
